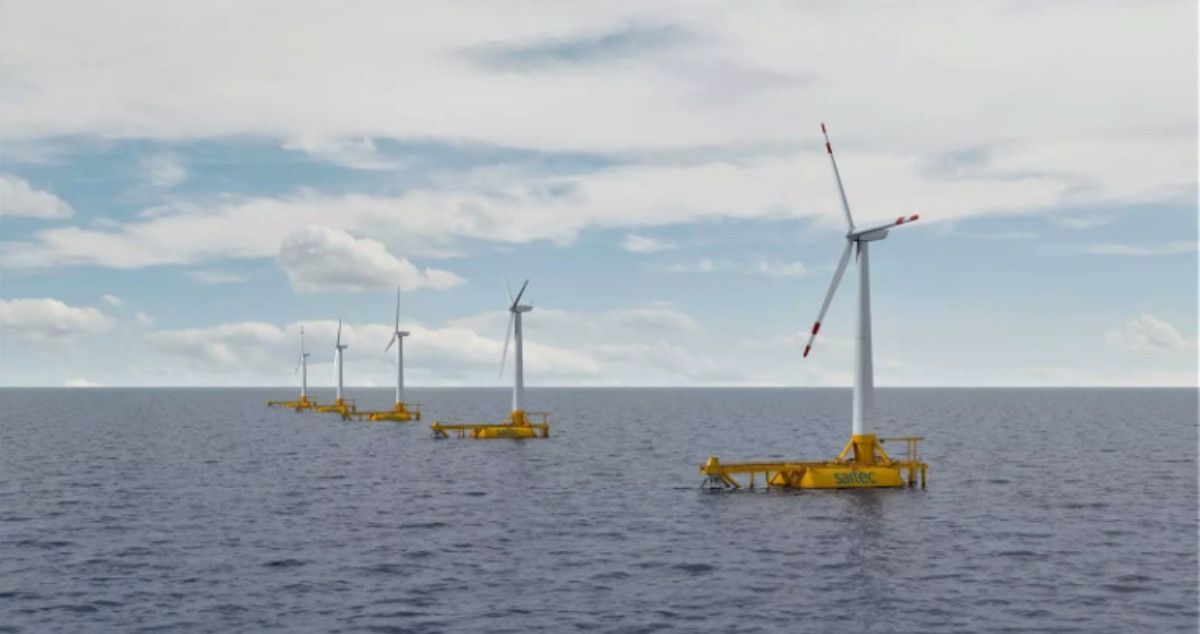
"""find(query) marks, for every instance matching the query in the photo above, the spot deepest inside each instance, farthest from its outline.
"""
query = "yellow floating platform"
(403, 412)
(345, 407)
(516, 426)
(299, 405)
(863, 464)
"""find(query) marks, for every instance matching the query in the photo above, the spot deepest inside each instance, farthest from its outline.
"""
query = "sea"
(203, 510)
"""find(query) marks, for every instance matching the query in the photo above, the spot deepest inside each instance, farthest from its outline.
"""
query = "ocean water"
(201, 510)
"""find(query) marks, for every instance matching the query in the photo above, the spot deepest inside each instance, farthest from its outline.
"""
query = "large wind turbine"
(518, 424)
(339, 361)
(398, 340)
(864, 378)
(863, 463)
(515, 310)
(303, 365)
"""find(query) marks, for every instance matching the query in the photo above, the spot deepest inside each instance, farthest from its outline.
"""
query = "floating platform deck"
(862, 464)
(402, 412)
(299, 406)
(517, 425)
(344, 407)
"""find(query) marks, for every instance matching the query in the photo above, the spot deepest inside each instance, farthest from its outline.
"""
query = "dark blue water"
(205, 511)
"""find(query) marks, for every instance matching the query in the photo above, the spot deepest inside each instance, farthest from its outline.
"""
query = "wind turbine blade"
(390, 342)
(520, 293)
(298, 365)
(507, 335)
(507, 290)
(837, 278)
(301, 341)
(339, 335)
(397, 308)
(836, 175)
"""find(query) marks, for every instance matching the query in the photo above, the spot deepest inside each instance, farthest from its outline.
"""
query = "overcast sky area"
(183, 185)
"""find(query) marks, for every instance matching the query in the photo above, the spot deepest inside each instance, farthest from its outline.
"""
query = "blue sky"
(172, 212)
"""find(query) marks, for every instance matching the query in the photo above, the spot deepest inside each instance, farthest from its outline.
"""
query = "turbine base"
(517, 426)
(863, 464)
(402, 412)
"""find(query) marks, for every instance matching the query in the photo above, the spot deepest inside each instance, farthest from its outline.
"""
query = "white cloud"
(732, 77)
(1148, 333)
(1170, 248)
(223, 345)
(782, 269)
(453, 351)
(513, 207)
(762, 267)
(81, 383)
(641, 244)
(51, 318)
(163, 170)
(320, 259)
(649, 320)
(144, 319)
(111, 300)
(214, 277)
(705, 265)
(1083, 222)
(18, 198)
(358, 153)
(284, 79)
(565, 327)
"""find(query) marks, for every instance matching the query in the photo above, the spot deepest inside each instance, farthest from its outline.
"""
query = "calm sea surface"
(202, 510)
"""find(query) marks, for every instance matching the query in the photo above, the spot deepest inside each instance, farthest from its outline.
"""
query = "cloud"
(163, 171)
(18, 198)
(609, 46)
(320, 259)
(1170, 248)
(782, 269)
(1082, 222)
(214, 277)
(357, 153)
(640, 244)
(51, 318)
(81, 383)
(111, 300)
(657, 321)
(762, 267)
(286, 77)
(144, 319)
(1148, 333)
(518, 207)
(563, 327)
(453, 351)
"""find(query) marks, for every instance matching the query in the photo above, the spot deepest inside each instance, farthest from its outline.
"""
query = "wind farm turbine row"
(863, 463)
(517, 425)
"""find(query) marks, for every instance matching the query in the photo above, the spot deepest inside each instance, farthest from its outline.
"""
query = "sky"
(184, 185)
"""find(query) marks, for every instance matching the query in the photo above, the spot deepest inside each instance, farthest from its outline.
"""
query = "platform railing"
(910, 448)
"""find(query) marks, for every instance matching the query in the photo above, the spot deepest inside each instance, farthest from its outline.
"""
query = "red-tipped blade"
(838, 177)
(837, 278)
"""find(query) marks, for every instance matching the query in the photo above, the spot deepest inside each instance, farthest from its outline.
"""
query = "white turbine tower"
(338, 361)
(515, 309)
(398, 339)
(303, 365)
(864, 381)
